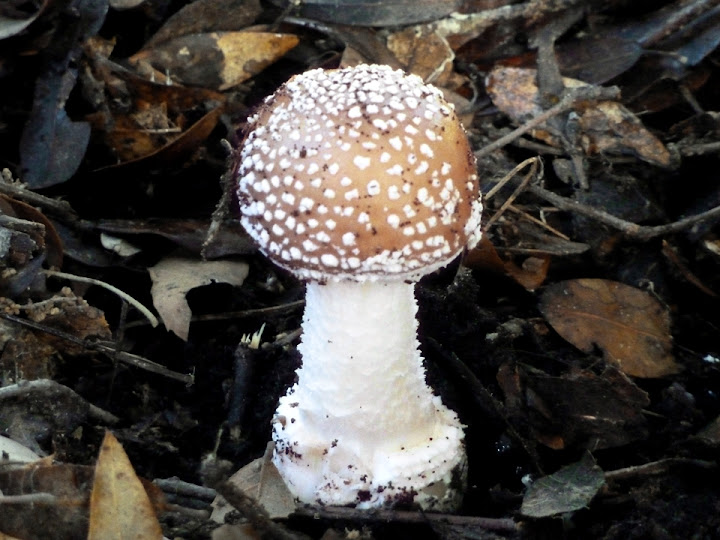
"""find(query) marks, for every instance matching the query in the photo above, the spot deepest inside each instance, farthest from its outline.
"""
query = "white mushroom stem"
(361, 426)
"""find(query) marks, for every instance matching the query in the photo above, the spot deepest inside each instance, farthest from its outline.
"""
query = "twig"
(698, 149)
(122, 356)
(658, 467)
(533, 162)
(569, 100)
(47, 499)
(175, 486)
(256, 514)
(629, 229)
(384, 516)
(539, 222)
(18, 190)
(125, 296)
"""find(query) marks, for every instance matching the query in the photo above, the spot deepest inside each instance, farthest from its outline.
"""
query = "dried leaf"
(373, 12)
(217, 60)
(584, 409)
(67, 518)
(530, 274)
(261, 480)
(203, 16)
(177, 150)
(568, 490)
(119, 505)
(172, 279)
(125, 4)
(424, 52)
(12, 452)
(190, 234)
(52, 145)
(630, 326)
(30, 355)
(606, 126)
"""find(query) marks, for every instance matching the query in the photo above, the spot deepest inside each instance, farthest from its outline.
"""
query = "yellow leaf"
(119, 505)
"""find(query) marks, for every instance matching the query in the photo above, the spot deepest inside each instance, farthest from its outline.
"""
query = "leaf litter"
(582, 325)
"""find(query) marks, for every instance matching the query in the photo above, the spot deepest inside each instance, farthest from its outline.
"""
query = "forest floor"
(579, 342)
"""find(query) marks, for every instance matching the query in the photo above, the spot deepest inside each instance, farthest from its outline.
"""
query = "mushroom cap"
(358, 173)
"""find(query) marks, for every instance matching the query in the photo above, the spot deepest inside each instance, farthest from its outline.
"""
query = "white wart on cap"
(358, 173)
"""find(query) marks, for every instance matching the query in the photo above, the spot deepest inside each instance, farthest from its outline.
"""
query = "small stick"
(402, 516)
(122, 356)
(533, 162)
(256, 514)
(658, 467)
(629, 229)
(125, 296)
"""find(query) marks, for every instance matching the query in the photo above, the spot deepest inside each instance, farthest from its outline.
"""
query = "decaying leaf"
(119, 505)
(260, 480)
(630, 326)
(424, 52)
(64, 488)
(29, 355)
(530, 273)
(190, 234)
(602, 127)
(372, 12)
(173, 277)
(578, 409)
(207, 16)
(568, 490)
(143, 119)
(217, 60)
(52, 145)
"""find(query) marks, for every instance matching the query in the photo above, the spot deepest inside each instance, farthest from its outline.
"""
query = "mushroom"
(360, 181)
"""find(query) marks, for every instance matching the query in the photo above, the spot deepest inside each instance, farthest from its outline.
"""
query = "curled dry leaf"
(217, 60)
(630, 326)
(119, 505)
(602, 127)
(172, 279)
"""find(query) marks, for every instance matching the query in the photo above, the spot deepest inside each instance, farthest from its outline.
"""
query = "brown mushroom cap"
(358, 173)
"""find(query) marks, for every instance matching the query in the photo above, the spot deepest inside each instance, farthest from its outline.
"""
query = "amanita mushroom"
(360, 181)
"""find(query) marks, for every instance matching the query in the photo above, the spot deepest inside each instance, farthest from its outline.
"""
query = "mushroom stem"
(361, 416)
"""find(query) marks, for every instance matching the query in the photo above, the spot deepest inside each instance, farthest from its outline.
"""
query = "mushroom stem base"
(361, 426)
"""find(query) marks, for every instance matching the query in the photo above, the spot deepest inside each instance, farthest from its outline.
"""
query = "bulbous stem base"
(361, 426)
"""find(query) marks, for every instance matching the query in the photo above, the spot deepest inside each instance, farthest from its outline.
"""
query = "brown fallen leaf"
(530, 273)
(173, 277)
(602, 127)
(630, 326)
(217, 60)
(119, 505)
